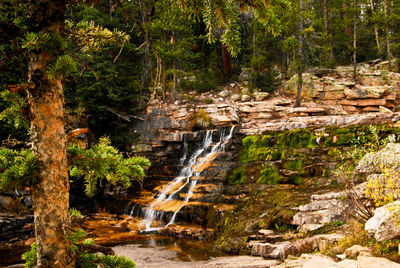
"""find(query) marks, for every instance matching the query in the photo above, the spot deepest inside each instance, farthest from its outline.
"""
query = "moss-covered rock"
(301, 150)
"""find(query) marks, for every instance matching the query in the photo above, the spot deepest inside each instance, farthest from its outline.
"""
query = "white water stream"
(187, 176)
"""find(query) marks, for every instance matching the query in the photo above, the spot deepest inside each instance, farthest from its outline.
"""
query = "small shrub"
(201, 120)
(84, 259)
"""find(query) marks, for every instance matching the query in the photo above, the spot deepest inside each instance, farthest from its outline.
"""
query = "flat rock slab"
(160, 257)
(317, 261)
(375, 262)
(239, 262)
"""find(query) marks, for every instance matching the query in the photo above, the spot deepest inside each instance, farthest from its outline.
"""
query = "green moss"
(296, 179)
(342, 131)
(294, 164)
(334, 152)
(277, 155)
(298, 138)
(238, 176)
(345, 139)
(269, 175)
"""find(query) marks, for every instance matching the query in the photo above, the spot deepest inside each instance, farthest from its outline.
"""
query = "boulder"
(325, 208)
(389, 157)
(260, 96)
(383, 225)
(364, 93)
(235, 97)
(224, 93)
(284, 102)
(356, 250)
(383, 109)
(244, 74)
(278, 250)
(245, 98)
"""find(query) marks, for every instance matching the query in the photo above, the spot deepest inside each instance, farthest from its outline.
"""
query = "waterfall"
(188, 176)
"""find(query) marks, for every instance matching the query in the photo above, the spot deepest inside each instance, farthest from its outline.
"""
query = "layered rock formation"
(376, 89)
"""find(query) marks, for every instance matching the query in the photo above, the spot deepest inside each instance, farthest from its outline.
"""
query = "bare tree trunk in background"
(227, 59)
(330, 54)
(147, 63)
(355, 40)
(389, 55)
(300, 57)
(378, 44)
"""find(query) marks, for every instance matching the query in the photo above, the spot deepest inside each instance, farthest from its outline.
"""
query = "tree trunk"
(378, 44)
(227, 58)
(147, 62)
(330, 53)
(50, 194)
(389, 56)
(300, 57)
(355, 40)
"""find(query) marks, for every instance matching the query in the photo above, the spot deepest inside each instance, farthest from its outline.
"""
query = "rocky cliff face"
(279, 158)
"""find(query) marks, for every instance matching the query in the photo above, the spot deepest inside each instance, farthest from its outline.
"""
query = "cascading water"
(189, 175)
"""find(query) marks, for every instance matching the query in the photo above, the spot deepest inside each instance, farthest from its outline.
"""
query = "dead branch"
(76, 132)
(92, 248)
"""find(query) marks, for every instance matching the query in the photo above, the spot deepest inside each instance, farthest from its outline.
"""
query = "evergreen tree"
(37, 29)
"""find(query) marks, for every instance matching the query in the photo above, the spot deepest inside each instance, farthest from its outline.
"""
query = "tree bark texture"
(50, 194)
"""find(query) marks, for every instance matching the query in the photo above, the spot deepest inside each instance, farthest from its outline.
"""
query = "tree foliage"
(104, 161)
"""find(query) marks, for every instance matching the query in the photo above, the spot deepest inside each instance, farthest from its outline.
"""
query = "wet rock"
(382, 226)
(18, 227)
